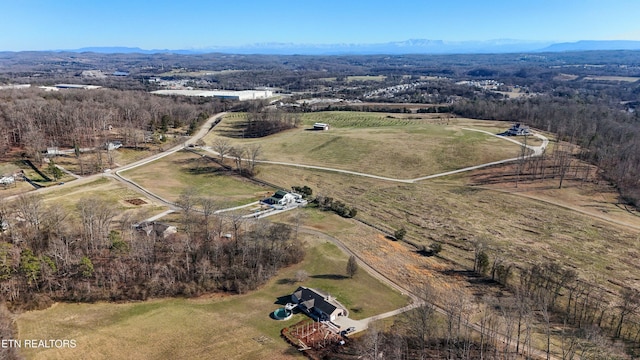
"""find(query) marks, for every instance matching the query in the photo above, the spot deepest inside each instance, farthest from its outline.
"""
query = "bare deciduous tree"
(222, 147)
(253, 152)
(301, 275)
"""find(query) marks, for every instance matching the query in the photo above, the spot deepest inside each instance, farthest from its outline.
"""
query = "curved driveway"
(361, 325)
(536, 151)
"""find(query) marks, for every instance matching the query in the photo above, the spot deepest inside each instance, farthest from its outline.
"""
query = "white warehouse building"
(222, 94)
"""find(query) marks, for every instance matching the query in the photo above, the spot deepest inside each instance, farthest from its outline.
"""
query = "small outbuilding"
(320, 126)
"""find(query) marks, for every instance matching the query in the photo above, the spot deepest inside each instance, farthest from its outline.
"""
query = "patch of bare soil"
(136, 202)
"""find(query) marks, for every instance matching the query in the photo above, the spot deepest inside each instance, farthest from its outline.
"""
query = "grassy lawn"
(171, 175)
(106, 190)
(228, 327)
(124, 156)
(395, 145)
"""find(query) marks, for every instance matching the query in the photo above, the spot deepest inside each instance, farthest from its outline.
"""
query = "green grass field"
(225, 327)
(394, 145)
(171, 175)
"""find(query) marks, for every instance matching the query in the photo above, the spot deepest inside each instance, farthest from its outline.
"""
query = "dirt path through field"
(537, 151)
(629, 221)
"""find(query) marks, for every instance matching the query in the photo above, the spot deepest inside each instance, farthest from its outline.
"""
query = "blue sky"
(187, 24)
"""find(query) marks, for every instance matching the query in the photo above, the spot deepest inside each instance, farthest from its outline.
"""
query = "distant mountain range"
(413, 46)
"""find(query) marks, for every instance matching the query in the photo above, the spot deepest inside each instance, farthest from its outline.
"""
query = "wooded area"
(608, 137)
(88, 256)
(32, 120)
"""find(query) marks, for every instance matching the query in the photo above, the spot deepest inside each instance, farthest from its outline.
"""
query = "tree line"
(48, 253)
(608, 136)
(510, 327)
(33, 120)
(590, 316)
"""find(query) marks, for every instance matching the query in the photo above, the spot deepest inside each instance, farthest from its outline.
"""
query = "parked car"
(347, 331)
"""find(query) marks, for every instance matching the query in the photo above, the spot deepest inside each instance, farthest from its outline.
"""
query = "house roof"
(279, 194)
(159, 229)
(313, 299)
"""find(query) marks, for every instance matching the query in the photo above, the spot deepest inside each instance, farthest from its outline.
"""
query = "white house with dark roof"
(281, 197)
(318, 305)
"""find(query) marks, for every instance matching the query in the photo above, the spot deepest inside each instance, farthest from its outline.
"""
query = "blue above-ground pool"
(282, 314)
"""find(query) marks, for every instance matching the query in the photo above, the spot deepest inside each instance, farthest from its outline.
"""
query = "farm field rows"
(232, 327)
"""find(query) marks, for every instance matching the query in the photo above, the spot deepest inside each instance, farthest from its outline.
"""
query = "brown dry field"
(580, 226)
(613, 78)
(107, 190)
(525, 227)
(16, 188)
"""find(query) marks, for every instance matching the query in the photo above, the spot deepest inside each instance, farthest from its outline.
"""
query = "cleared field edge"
(226, 325)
